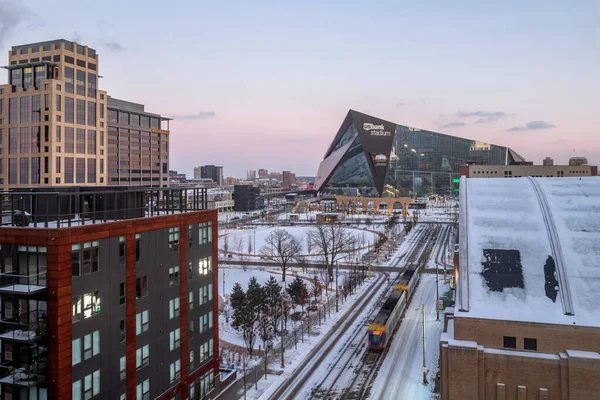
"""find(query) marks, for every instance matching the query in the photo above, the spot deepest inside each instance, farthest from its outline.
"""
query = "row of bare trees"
(331, 241)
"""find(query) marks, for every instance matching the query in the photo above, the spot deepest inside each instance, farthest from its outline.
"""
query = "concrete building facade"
(517, 171)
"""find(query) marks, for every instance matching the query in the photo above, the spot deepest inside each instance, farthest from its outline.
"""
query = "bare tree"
(332, 241)
(281, 247)
(226, 245)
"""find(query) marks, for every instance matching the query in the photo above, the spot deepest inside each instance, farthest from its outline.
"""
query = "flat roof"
(508, 269)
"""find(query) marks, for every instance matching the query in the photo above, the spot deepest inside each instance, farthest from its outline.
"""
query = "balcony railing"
(80, 206)
(23, 327)
(25, 284)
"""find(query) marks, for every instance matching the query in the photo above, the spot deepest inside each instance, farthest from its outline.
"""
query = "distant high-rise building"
(548, 162)
(276, 176)
(138, 147)
(213, 172)
(251, 175)
(575, 161)
(263, 174)
(289, 180)
(230, 181)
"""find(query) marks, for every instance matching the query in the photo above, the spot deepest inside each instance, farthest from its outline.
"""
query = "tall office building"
(548, 162)
(289, 179)
(251, 175)
(137, 271)
(54, 129)
(138, 146)
(213, 172)
(52, 117)
(263, 174)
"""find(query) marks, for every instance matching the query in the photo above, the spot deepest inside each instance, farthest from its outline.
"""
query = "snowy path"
(400, 376)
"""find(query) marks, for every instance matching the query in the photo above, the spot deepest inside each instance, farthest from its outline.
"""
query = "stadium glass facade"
(373, 157)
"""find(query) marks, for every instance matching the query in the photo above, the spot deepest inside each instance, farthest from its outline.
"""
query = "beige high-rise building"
(52, 117)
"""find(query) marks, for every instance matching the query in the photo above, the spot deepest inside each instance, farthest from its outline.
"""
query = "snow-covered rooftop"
(509, 267)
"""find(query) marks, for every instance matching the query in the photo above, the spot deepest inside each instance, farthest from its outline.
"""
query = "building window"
(174, 339)
(91, 170)
(191, 363)
(123, 118)
(174, 238)
(203, 323)
(205, 229)
(91, 84)
(205, 266)
(80, 112)
(69, 110)
(85, 306)
(203, 352)
(191, 300)
(58, 104)
(191, 329)
(69, 79)
(142, 356)
(175, 371)
(69, 169)
(530, 344)
(12, 110)
(122, 330)
(123, 368)
(143, 390)
(24, 170)
(122, 251)
(91, 345)
(90, 386)
(91, 109)
(80, 83)
(138, 237)
(142, 322)
(141, 287)
(84, 258)
(510, 342)
(174, 276)
(24, 110)
(121, 293)
(174, 308)
(76, 352)
(36, 108)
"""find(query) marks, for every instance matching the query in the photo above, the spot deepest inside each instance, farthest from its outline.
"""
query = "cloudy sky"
(266, 84)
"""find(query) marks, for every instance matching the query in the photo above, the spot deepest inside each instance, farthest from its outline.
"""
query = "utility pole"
(337, 272)
(437, 294)
(424, 360)
(282, 348)
(244, 366)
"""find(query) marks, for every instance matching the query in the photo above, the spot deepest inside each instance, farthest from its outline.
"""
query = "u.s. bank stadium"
(373, 157)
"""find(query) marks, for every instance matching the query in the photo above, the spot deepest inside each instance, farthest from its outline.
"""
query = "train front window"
(375, 337)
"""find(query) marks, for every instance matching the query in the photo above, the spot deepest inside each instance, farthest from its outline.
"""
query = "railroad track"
(297, 379)
(364, 378)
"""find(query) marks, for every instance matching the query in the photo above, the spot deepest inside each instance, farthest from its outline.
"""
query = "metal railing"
(83, 206)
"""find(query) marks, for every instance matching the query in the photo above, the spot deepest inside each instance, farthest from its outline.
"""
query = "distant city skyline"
(271, 85)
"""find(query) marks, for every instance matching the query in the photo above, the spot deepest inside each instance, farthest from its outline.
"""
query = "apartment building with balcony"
(108, 293)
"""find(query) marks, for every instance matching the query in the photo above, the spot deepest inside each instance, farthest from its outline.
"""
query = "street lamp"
(255, 375)
(337, 272)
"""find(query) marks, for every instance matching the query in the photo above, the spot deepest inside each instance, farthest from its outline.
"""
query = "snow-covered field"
(239, 240)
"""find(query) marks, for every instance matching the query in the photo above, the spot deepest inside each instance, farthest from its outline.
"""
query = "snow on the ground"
(401, 374)
(238, 239)
(294, 357)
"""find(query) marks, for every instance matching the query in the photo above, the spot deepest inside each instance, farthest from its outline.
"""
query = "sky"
(266, 84)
